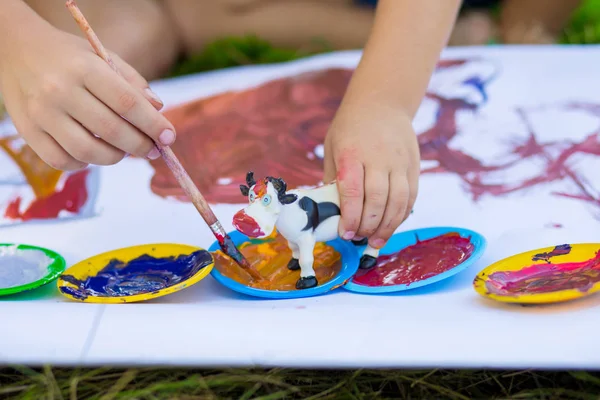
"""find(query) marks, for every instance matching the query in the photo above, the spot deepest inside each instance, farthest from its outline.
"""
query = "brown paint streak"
(271, 259)
(274, 128)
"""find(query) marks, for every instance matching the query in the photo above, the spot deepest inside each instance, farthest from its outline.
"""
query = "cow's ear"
(250, 179)
(288, 198)
(245, 190)
(279, 184)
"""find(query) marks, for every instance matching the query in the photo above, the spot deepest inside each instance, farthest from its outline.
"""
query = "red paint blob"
(418, 262)
(546, 278)
(274, 129)
(71, 198)
(247, 225)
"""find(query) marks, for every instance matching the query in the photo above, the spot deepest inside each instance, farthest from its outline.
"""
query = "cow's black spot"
(316, 213)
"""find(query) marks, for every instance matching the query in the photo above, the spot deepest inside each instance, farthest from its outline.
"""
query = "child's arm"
(402, 51)
(371, 146)
(66, 102)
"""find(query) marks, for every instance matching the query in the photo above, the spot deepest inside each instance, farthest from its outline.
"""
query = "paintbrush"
(171, 160)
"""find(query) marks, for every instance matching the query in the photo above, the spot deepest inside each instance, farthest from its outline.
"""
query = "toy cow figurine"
(303, 217)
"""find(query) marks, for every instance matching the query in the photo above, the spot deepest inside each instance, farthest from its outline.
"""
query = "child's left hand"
(373, 153)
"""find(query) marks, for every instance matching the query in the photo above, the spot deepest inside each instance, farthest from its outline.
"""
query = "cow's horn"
(250, 179)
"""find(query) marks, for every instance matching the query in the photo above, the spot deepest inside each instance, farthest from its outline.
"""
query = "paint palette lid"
(24, 267)
(548, 275)
(336, 262)
(136, 273)
(417, 258)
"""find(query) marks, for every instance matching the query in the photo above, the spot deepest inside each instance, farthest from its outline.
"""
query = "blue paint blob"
(145, 274)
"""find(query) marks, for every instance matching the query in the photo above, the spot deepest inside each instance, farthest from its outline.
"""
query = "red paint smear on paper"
(546, 278)
(71, 198)
(273, 129)
(418, 262)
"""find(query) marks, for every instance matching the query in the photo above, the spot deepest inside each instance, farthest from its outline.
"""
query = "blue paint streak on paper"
(145, 274)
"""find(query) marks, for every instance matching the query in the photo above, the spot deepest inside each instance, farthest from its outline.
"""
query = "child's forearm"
(17, 20)
(402, 51)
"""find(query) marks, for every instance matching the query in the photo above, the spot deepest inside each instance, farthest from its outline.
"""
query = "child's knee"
(149, 43)
(139, 31)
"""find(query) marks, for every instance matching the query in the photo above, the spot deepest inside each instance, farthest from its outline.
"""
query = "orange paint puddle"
(39, 175)
(270, 258)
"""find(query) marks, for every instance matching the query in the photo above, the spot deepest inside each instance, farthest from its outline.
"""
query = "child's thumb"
(137, 81)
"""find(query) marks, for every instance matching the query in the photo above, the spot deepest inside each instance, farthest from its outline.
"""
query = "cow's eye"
(266, 200)
(252, 196)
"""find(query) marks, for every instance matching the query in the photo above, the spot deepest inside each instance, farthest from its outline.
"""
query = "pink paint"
(348, 166)
(546, 278)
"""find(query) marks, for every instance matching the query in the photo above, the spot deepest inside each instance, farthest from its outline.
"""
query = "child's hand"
(373, 153)
(68, 103)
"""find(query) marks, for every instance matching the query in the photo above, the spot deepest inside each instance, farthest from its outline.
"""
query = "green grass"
(238, 51)
(140, 384)
(584, 26)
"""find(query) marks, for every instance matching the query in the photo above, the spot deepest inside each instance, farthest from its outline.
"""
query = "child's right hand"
(68, 103)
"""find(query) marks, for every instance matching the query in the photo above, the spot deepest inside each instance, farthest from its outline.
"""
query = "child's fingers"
(350, 180)
(129, 103)
(136, 80)
(50, 151)
(413, 189)
(78, 141)
(328, 165)
(395, 211)
(377, 183)
(103, 122)
(41, 142)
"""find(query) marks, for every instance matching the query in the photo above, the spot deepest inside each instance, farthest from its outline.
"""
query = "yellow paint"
(91, 266)
(579, 253)
(42, 178)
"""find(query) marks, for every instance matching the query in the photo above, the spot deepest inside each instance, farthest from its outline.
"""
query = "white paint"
(319, 151)
(20, 267)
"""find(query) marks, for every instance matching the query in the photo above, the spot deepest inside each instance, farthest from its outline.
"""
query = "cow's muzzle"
(247, 225)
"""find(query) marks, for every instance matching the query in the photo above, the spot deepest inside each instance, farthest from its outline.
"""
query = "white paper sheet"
(443, 325)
